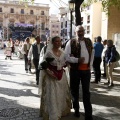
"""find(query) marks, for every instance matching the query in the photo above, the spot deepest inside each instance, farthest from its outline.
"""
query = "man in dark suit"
(79, 53)
(35, 52)
(25, 49)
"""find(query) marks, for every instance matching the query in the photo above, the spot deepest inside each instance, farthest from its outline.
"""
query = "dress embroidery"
(55, 99)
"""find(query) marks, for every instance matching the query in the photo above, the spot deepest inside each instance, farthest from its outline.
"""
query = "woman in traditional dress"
(55, 97)
(8, 50)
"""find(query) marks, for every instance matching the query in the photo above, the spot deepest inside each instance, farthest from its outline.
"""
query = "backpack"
(117, 56)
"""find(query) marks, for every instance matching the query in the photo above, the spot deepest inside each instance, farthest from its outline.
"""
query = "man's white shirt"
(84, 53)
(30, 54)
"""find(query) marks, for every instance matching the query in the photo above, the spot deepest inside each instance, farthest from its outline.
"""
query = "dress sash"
(57, 73)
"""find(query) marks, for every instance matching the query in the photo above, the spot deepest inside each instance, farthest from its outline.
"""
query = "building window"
(81, 20)
(31, 12)
(43, 26)
(11, 10)
(65, 32)
(61, 32)
(1, 24)
(61, 24)
(0, 9)
(56, 26)
(82, 9)
(88, 19)
(22, 11)
(88, 29)
(42, 13)
(53, 26)
(88, 7)
(65, 23)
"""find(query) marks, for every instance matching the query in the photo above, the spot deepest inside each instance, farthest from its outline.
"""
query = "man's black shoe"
(104, 75)
(77, 113)
(88, 118)
(30, 71)
(92, 72)
(94, 82)
(37, 83)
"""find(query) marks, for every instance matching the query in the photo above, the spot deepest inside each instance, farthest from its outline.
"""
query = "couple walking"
(54, 89)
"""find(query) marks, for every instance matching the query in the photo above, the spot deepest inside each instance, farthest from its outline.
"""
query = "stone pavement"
(19, 98)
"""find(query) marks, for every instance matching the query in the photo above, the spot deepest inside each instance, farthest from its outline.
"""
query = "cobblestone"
(18, 89)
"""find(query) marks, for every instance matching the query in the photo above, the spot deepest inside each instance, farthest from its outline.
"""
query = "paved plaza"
(19, 99)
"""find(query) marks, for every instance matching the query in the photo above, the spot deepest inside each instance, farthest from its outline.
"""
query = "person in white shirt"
(79, 54)
(24, 50)
(103, 56)
(43, 50)
(35, 53)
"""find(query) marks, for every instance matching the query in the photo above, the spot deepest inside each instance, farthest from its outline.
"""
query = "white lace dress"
(55, 97)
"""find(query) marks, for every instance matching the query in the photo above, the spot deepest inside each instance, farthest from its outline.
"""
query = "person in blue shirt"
(98, 48)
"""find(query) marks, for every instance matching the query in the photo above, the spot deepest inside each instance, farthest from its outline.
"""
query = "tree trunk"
(77, 11)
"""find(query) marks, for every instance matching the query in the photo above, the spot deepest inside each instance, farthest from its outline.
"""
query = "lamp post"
(71, 8)
(77, 12)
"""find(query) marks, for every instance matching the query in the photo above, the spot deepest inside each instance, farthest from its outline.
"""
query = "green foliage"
(109, 3)
(28, 1)
(106, 4)
(25, 2)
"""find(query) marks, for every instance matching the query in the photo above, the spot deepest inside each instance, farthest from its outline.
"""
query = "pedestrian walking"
(13, 47)
(8, 50)
(43, 50)
(79, 53)
(98, 48)
(35, 53)
(110, 61)
(55, 99)
(24, 50)
(103, 57)
(32, 38)
(16, 45)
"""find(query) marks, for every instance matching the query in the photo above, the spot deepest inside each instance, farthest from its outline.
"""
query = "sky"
(54, 5)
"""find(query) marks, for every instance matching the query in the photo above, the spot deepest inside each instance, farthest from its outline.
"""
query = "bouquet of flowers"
(45, 63)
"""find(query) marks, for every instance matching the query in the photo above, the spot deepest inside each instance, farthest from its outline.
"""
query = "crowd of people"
(80, 55)
(58, 94)
(104, 52)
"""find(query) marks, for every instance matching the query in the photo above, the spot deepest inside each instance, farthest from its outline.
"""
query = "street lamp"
(71, 8)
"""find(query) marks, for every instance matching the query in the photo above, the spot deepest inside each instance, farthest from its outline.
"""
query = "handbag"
(117, 56)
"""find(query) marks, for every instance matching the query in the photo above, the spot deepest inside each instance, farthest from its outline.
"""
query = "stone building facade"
(110, 23)
(90, 18)
(55, 27)
(12, 12)
(113, 22)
